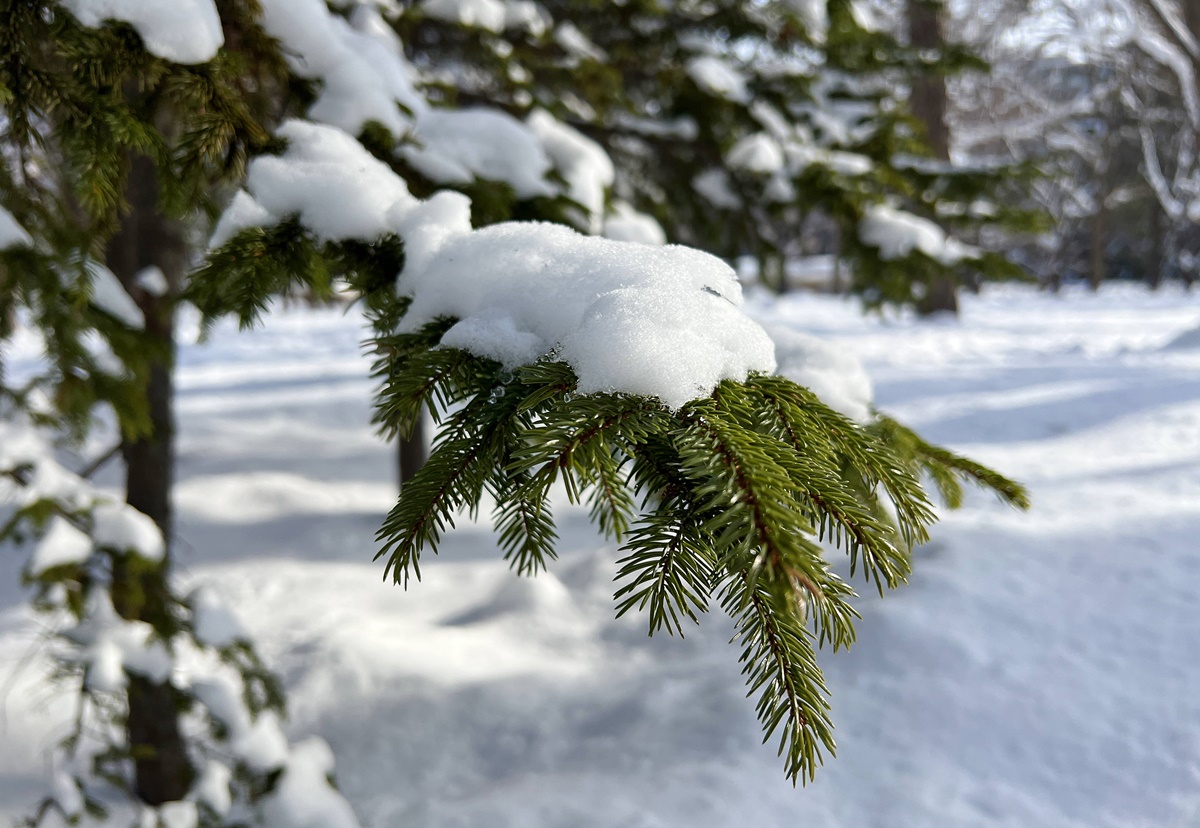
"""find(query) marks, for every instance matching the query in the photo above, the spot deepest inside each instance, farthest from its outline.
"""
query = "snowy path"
(1040, 669)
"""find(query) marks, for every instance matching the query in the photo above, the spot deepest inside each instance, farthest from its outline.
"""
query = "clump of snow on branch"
(182, 31)
(715, 187)
(302, 798)
(121, 527)
(664, 322)
(12, 234)
(815, 15)
(491, 15)
(718, 77)
(659, 321)
(582, 162)
(363, 71)
(338, 189)
(457, 146)
(110, 296)
(834, 374)
(62, 545)
(898, 233)
(111, 647)
(625, 223)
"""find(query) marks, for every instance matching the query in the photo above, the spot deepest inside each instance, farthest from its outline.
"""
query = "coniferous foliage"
(731, 500)
(761, 130)
(112, 156)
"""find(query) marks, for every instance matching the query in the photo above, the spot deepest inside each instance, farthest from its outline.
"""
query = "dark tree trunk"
(942, 297)
(412, 453)
(1156, 266)
(928, 105)
(1096, 243)
(145, 238)
(1191, 18)
(928, 100)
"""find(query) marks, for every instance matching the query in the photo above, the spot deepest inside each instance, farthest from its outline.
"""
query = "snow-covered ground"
(1040, 669)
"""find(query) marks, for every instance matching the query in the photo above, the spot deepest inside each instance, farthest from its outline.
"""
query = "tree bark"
(928, 105)
(1157, 264)
(144, 238)
(1191, 19)
(411, 453)
(1096, 268)
(928, 99)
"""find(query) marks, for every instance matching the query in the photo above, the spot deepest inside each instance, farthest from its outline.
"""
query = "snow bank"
(213, 623)
(182, 31)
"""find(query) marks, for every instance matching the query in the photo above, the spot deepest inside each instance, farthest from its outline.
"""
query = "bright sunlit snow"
(186, 31)
(664, 321)
(1039, 670)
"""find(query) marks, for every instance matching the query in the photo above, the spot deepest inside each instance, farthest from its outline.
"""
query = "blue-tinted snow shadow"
(339, 537)
(1137, 392)
(1046, 672)
(535, 752)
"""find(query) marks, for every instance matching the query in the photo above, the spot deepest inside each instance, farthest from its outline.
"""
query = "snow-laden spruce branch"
(629, 372)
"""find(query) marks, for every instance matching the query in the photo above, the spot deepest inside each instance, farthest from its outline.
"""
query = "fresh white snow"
(12, 234)
(661, 321)
(184, 31)
(582, 162)
(1039, 670)
(757, 153)
(898, 233)
(62, 545)
(108, 294)
(664, 321)
(364, 74)
(718, 77)
(625, 223)
(122, 527)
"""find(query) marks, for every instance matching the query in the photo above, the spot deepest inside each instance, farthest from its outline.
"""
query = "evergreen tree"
(721, 481)
(119, 139)
(766, 130)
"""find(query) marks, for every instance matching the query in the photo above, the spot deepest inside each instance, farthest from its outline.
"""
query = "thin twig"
(95, 466)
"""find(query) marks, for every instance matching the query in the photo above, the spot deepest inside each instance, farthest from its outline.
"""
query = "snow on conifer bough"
(626, 372)
(630, 374)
